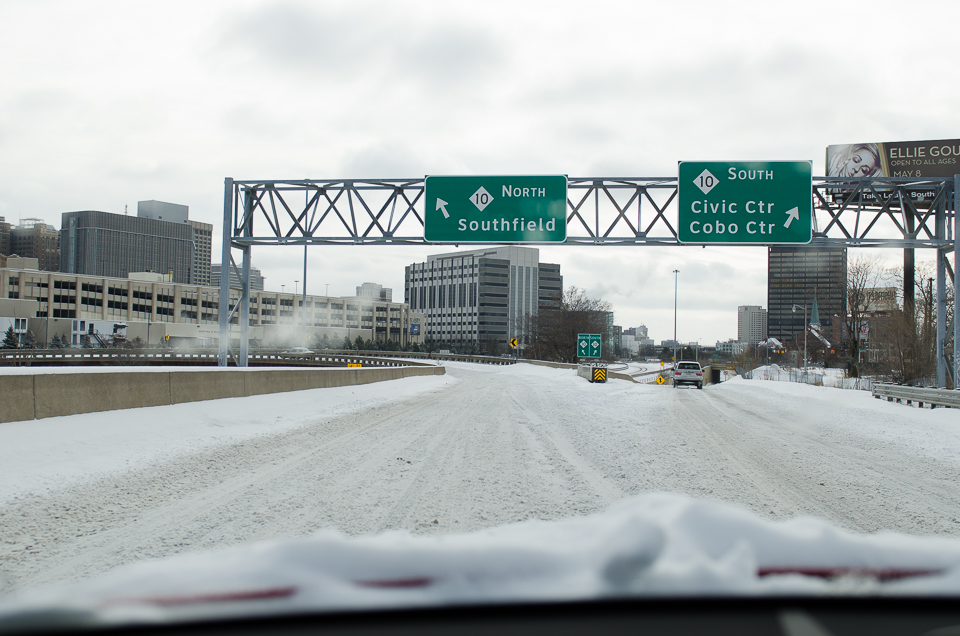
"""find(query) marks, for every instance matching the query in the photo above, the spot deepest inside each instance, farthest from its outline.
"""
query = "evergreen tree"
(10, 339)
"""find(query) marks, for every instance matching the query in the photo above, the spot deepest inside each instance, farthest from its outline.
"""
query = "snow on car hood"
(651, 545)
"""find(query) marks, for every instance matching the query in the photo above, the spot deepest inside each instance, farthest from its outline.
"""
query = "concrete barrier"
(199, 385)
(68, 393)
(16, 398)
(27, 397)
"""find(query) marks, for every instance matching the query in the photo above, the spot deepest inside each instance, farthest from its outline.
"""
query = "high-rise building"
(551, 285)
(793, 274)
(256, 278)
(162, 211)
(97, 243)
(202, 234)
(751, 324)
(33, 238)
(4, 237)
(481, 296)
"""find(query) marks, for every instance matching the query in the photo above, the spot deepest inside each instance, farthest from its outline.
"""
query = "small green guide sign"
(495, 209)
(588, 345)
(752, 202)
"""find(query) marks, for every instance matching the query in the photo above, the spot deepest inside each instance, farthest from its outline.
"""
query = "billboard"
(939, 158)
(905, 159)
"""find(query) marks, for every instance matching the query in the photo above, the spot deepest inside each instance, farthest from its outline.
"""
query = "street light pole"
(676, 276)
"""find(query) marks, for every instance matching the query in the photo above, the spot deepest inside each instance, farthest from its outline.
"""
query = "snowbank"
(58, 451)
(658, 544)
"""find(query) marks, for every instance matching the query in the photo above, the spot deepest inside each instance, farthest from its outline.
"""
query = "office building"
(731, 347)
(793, 274)
(481, 297)
(751, 324)
(153, 307)
(95, 243)
(256, 278)
(162, 211)
(202, 234)
(551, 286)
(33, 238)
(643, 340)
(375, 291)
(4, 237)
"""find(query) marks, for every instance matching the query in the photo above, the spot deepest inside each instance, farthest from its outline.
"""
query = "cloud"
(384, 160)
(349, 45)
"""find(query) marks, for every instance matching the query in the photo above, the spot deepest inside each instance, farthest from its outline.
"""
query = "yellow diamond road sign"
(659, 379)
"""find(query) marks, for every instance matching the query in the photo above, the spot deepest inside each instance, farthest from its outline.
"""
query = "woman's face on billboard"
(861, 163)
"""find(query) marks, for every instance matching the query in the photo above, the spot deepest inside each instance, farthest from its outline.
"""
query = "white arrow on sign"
(442, 206)
(793, 214)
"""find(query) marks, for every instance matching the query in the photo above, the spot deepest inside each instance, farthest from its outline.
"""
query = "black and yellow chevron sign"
(513, 342)
(599, 375)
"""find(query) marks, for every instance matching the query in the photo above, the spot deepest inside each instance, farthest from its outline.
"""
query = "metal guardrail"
(208, 357)
(909, 394)
(134, 357)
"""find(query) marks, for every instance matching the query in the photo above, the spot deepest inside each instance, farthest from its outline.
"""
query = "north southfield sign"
(745, 202)
(495, 209)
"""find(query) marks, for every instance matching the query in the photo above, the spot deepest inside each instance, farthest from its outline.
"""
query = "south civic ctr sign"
(752, 202)
(495, 209)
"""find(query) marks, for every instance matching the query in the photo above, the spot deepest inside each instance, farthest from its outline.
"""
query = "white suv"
(688, 373)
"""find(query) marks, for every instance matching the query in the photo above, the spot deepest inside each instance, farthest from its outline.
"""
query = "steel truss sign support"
(879, 212)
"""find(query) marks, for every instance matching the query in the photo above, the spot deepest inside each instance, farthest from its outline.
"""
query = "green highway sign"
(588, 345)
(746, 202)
(495, 209)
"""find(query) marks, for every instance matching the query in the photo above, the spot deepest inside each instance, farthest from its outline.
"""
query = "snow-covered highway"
(479, 447)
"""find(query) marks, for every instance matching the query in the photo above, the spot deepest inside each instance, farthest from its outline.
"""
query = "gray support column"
(245, 280)
(941, 318)
(303, 300)
(177, 293)
(909, 265)
(223, 306)
(245, 308)
(941, 233)
(956, 281)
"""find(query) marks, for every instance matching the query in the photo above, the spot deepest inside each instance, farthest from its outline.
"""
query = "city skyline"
(111, 103)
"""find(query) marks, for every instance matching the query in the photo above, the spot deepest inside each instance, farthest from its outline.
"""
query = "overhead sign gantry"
(612, 211)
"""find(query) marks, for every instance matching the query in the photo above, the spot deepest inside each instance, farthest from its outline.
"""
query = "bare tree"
(864, 277)
(908, 337)
(553, 331)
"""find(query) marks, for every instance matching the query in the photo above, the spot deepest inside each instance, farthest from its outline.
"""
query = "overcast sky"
(103, 104)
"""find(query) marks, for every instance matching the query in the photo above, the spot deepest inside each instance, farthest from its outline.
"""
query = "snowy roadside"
(58, 451)
(933, 433)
